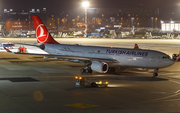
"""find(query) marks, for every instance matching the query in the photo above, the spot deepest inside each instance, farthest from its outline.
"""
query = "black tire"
(174, 56)
(82, 84)
(82, 70)
(93, 84)
(111, 70)
(86, 70)
(155, 74)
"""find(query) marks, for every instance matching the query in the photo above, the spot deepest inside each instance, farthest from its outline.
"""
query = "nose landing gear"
(155, 74)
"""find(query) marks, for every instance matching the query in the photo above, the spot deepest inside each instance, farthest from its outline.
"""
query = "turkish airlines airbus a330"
(99, 59)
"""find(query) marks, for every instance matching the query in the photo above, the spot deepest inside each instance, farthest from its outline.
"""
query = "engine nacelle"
(100, 67)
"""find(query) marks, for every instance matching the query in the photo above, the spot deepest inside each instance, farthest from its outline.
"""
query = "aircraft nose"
(171, 62)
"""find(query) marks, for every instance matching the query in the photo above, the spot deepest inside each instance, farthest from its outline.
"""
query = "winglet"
(136, 46)
(8, 50)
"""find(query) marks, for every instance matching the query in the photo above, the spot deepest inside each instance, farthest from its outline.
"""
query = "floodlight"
(85, 4)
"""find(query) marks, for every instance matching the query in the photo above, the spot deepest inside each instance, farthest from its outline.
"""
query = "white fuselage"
(125, 57)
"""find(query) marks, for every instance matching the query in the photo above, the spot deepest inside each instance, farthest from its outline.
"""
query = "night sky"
(70, 5)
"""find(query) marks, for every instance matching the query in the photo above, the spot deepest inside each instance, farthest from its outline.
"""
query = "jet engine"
(100, 67)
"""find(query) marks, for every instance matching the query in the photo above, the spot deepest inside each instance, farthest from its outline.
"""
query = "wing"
(70, 58)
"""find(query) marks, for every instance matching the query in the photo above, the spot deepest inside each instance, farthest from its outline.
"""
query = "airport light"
(172, 22)
(100, 82)
(85, 5)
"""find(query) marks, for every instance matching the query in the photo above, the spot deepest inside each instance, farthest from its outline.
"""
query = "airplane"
(96, 58)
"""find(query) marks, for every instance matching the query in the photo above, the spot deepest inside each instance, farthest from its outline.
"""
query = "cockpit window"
(166, 57)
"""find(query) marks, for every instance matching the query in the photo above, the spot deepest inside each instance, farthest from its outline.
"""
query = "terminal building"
(170, 26)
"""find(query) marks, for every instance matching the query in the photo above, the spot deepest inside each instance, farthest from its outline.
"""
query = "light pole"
(132, 18)
(137, 22)
(152, 21)
(156, 22)
(58, 24)
(85, 5)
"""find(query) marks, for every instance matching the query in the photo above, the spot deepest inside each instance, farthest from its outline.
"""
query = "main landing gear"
(86, 70)
(111, 69)
(155, 74)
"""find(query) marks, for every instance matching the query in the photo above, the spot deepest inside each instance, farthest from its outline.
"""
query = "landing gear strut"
(87, 69)
(155, 74)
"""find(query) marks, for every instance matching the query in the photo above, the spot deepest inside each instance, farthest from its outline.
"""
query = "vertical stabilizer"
(42, 34)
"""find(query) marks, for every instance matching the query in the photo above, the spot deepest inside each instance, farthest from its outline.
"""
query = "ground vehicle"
(176, 57)
(80, 81)
(22, 49)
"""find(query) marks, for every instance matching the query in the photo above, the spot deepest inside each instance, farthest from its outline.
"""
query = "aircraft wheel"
(155, 74)
(82, 70)
(174, 56)
(111, 70)
(86, 70)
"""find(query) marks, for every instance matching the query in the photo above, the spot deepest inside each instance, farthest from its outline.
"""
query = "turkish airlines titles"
(124, 52)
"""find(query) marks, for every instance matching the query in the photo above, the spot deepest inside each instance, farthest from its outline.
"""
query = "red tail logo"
(42, 34)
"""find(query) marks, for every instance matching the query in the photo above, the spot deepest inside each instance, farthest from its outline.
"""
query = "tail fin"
(42, 34)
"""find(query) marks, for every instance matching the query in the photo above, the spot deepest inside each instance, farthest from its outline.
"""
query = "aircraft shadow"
(140, 78)
(128, 76)
(9, 58)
